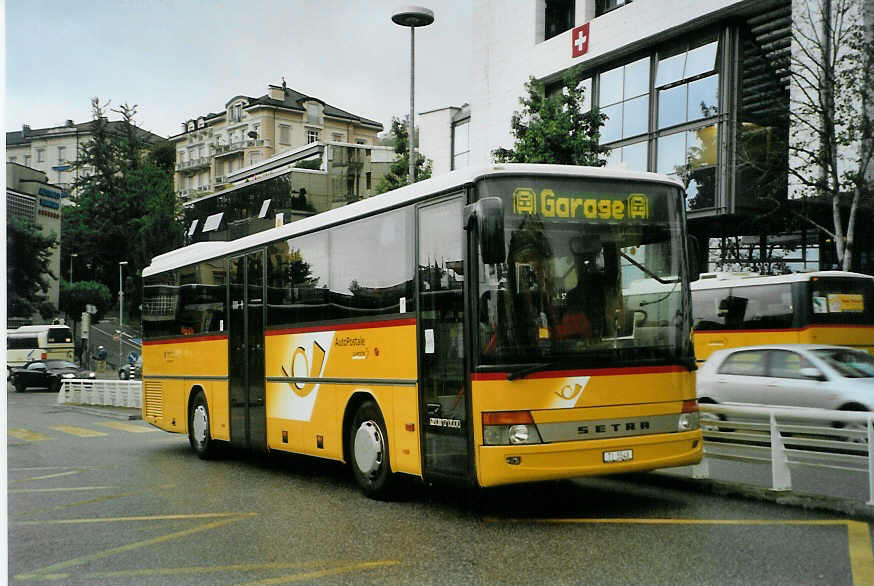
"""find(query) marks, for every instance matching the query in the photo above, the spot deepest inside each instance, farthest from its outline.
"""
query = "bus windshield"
(594, 275)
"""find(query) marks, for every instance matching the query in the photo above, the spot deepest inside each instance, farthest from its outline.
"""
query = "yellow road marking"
(129, 427)
(198, 570)
(858, 535)
(51, 572)
(325, 572)
(27, 435)
(67, 489)
(94, 500)
(77, 431)
(126, 519)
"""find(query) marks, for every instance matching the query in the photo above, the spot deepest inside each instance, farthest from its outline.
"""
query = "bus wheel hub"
(199, 423)
(368, 448)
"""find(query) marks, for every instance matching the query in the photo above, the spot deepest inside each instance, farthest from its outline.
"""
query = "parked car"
(790, 375)
(131, 371)
(46, 374)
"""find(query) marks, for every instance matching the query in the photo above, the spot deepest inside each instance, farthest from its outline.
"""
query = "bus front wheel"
(368, 450)
(198, 428)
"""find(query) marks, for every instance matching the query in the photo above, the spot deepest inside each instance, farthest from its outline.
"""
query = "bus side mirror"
(693, 252)
(487, 217)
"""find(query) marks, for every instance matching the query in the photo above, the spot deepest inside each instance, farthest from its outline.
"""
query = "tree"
(554, 128)
(400, 169)
(832, 112)
(28, 252)
(76, 297)
(125, 207)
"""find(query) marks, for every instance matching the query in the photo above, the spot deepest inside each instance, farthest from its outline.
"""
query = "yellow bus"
(471, 328)
(821, 307)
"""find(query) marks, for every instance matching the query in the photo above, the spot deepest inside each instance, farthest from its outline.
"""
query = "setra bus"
(39, 342)
(747, 309)
(476, 328)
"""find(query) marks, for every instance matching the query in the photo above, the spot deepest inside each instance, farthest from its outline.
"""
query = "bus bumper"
(498, 465)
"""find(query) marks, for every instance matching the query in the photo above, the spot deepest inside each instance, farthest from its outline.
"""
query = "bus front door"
(443, 401)
(246, 360)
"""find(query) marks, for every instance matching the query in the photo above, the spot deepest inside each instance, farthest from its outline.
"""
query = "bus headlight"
(689, 418)
(503, 428)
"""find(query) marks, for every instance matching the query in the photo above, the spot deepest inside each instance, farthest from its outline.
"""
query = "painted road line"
(326, 572)
(66, 489)
(858, 534)
(128, 427)
(128, 519)
(243, 568)
(101, 499)
(46, 477)
(27, 435)
(77, 431)
(51, 572)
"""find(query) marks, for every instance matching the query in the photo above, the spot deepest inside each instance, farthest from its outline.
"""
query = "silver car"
(789, 375)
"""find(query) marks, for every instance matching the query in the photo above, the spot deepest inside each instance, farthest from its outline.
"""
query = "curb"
(807, 501)
(127, 414)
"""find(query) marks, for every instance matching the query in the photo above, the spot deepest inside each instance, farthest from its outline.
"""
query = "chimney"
(25, 128)
(69, 123)
(276, 92)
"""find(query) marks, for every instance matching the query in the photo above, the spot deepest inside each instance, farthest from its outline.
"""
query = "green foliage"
(76, 296)
(400, 170)
(125, 207)
(28, 252)
(554, 129)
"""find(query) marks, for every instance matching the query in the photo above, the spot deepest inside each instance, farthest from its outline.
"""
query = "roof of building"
(27, 134)
(294, 100)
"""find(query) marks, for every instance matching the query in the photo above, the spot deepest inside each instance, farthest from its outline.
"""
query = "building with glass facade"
(699, 89)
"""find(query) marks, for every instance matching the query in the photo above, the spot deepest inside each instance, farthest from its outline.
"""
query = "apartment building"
(53, 150)
(249, 130)
(699, 89)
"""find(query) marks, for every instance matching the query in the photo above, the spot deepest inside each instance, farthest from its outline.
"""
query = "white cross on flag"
(580, 40)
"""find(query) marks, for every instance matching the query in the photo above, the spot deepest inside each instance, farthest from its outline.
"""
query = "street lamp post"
(72, 256)
(120, 309)
(412, 16)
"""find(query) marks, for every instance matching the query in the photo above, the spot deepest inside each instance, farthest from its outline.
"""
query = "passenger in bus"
(583, 315)
(530, 281)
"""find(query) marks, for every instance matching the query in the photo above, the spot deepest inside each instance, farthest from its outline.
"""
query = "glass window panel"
(634, 156)
(637, 78)
(635, 116)
(612, 129)
(670, 69)
(672, 106)
(702, 147)
(462, 138)
(671, 153)
(701, 160)
(611, 87)
(701, 60)
(614, 158)
(703, 98)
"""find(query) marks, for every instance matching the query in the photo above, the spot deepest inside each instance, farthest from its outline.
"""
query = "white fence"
(788, 438)
(115, 393)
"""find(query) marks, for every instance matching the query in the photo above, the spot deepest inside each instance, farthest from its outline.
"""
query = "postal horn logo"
(303, 366)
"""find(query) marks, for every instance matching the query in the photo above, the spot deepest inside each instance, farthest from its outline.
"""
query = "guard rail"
(787, 438)
(115, 393)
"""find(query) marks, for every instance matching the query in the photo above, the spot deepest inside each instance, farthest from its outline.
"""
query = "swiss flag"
(580, 40)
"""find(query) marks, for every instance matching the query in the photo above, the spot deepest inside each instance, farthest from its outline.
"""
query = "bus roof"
(722, 280)
(202, 251)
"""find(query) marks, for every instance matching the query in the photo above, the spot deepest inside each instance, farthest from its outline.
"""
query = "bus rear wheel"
(368, 451)
(199, 428)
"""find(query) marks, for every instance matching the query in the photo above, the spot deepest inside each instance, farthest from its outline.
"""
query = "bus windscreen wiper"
(526, 370)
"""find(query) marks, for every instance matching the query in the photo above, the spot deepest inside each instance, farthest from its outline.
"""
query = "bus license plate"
(618, 456)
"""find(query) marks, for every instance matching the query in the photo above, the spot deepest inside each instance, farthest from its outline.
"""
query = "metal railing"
(787, 438)
(115, 393)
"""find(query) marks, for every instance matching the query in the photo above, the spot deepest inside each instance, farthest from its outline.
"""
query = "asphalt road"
(94, 500)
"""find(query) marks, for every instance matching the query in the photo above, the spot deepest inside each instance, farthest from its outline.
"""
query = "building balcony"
(193, 164)
(223, 150)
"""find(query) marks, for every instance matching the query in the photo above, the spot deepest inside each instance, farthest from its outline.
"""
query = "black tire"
(20, 387)
(368, 451)
(199, 435)
(55, 385)
(122, 375)
(856, 427)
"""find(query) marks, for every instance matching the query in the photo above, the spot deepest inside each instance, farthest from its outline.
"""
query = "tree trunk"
(851, 229)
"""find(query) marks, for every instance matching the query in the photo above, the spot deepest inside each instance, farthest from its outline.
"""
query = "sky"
(176, 59)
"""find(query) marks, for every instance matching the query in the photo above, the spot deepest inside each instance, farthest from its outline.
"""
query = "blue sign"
(48, 203)
(49, 193)
(132, 357)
